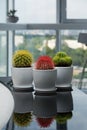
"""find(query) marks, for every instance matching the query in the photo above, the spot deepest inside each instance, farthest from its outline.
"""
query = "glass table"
(60, 110)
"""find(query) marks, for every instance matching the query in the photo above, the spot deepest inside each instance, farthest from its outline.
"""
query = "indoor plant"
(22, 74)
(11, 16)
(63, 63)
(44, 74)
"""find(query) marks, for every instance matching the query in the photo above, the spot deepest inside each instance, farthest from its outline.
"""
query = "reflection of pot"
(22, 119)
(23, 101)
(64, 102)
(45, 106)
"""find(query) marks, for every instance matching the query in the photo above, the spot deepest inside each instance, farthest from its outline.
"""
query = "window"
(39, 42)
(2, 11)
(78, 52)
(44, 27)
(36, 11)
(74, 11)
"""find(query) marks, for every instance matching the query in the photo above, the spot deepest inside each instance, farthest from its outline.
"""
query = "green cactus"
(61, 54)
(22, 58)
(22, 119)
(61, 59)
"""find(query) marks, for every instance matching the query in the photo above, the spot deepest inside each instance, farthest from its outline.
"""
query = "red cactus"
(44, 122)
(44, 63)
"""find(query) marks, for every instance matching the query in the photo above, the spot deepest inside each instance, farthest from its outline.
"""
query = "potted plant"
(44, 74)
(22, 119)
(11, 16)
(22, 73)
(63, 63)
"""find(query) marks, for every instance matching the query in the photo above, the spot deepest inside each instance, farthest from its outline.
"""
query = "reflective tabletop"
(60, 110)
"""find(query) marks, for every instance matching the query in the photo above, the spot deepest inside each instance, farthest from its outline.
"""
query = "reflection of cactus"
(62, 59)
(44, 63)
(44, 122)
(63, 117)
(22, 119)
(22, 58)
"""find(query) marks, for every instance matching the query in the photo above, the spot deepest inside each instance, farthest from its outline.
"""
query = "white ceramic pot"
(64, 76)
(44, 80)
(22, 77)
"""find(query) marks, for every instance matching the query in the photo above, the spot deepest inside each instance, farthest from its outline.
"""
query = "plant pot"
(22, 77)
(44, 80)
(12, 19)
(64, 76)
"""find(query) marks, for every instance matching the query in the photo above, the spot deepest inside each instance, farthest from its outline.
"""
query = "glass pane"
(39, 42)
(76, 9)
(2, 11)
(3, 53)
(78, 52)
(36, 11)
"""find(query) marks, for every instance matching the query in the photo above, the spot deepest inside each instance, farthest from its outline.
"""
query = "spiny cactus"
(61, 59)
(22, 58)
(61, 54)
(44, 122)
(44, 63)
(22, 119)
(63, 117)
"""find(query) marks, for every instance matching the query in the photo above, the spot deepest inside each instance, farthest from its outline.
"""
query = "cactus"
(63, 117)
(44, 63)
(22, 119)
(44, 122)
(61, 54)
(22, 58)
(61, 59)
